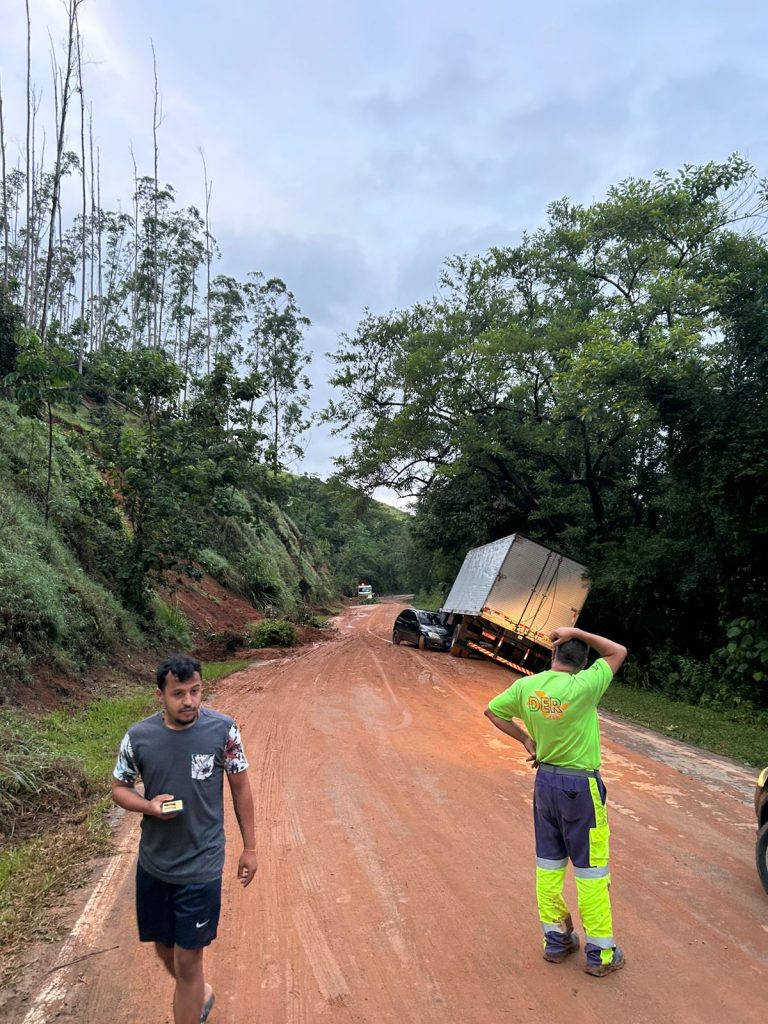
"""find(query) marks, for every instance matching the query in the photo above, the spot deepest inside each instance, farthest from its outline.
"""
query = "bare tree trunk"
(101, 265)
(135, 289)
(49, 472)
(161, 309)
(64, 299)
(6, 224)
(208, 188)
(276, 425)
(83, 319)
(65, 93)
(157, 118)
(29, 172)
(34, 223)
(16, 214)
(54, 75)
(189, 336)
(91, 303)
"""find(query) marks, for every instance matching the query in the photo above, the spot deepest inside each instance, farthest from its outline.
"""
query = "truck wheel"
(422, 644)
(761, 855)
(395, 637)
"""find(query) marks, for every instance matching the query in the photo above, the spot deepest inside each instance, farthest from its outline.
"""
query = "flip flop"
(207, 1007)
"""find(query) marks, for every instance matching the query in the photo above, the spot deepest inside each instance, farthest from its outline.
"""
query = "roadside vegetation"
(430, 600)
(54, 785)
(737, 732)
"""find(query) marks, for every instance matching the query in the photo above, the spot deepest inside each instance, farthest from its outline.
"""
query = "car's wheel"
(761, 855)
(422, 643)
(395, 637)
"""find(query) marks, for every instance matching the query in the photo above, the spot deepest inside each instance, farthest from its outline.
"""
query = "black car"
(761, 810)
(425, 629)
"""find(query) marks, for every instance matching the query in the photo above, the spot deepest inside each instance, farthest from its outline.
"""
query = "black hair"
(179, 665)
(572, 653)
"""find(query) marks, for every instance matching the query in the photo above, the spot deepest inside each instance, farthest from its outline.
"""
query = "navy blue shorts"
(177, 915)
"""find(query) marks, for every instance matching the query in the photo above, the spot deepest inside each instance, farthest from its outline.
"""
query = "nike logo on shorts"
(201, 924)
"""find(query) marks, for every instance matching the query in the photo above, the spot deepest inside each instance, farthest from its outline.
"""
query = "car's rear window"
(429, 618)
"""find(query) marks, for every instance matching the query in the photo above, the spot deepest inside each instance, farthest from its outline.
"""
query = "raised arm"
(611, 652)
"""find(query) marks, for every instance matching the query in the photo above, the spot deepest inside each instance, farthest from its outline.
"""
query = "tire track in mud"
(288, 946)
(331, 961)
(396, 875)
(362, 813)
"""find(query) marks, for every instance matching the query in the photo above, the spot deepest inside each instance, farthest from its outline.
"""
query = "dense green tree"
(155, 467)
(42, 376)
(10, 321)
(583, 387)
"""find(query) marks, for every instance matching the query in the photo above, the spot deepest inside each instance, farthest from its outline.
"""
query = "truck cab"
(365, 592)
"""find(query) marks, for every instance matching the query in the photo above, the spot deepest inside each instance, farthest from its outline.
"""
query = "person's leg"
(587, 835)
(551, 863)
(196, 915)
(189, 997)
(165, 954)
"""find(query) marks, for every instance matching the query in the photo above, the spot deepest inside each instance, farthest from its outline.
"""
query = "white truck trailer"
(508, 597)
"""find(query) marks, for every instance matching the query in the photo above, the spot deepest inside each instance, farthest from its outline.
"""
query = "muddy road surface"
(396, 879)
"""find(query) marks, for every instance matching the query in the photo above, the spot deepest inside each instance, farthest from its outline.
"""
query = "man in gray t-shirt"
(182, 754)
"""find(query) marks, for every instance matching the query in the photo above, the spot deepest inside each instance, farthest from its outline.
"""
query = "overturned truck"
(508, 597)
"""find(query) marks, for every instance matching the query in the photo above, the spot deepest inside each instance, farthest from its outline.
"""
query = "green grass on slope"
(218, 669)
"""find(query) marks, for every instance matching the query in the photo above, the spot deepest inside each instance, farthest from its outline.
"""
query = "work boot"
(599, 970)
(558, 946)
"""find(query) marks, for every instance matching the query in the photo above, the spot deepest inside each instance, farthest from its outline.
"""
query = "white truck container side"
(520, 586)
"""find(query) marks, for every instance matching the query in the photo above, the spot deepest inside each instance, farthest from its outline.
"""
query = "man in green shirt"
(559, 709)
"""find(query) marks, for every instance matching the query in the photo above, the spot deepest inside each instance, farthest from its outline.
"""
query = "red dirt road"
(396, 866)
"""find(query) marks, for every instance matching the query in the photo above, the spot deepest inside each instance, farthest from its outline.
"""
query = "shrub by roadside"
(272, 633)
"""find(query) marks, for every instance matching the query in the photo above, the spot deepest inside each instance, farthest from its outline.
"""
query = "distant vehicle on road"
(365, 592)
(761, 811)
(422, 628)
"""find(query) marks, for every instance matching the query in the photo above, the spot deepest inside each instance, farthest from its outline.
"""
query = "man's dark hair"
(572, 653)
(179, 665)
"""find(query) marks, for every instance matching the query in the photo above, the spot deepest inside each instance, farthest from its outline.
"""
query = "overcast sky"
(353, 146)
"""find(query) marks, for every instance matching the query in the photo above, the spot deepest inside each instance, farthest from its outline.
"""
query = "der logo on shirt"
(202, 766)
(550, 707)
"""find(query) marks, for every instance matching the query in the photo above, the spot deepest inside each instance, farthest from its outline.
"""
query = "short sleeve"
(507, 704)
(125, 769)
(234, 756)
(596, 678)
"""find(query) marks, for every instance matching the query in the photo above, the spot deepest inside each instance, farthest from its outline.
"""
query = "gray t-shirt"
(190, 763)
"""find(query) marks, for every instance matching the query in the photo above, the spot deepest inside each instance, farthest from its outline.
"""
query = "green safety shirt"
(559, 710)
